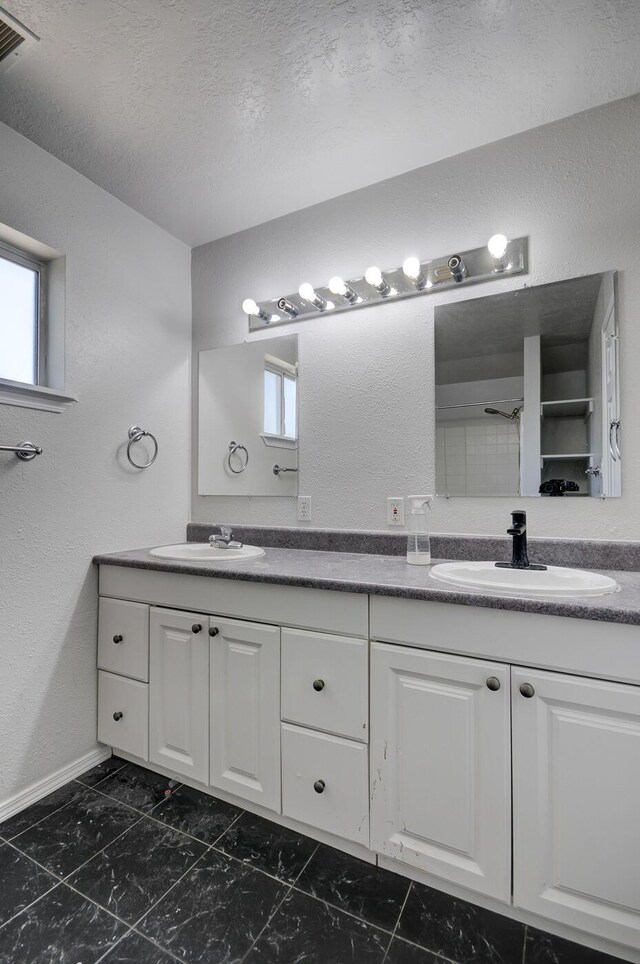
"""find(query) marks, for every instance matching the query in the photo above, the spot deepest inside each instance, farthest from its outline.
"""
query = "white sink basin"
(552, 581)
(203, 552)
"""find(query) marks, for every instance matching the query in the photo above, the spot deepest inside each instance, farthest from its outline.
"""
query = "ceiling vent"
(14, 39)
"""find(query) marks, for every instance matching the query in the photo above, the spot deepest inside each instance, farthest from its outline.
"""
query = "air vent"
(9, 39)
(15, 38)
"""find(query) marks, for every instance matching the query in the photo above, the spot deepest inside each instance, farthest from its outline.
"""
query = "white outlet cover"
(395, 511)
(304, 508)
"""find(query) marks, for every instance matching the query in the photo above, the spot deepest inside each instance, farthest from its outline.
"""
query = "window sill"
(34, 396)
(279, 441)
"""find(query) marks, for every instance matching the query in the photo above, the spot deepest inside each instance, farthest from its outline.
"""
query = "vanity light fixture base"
(479, 266)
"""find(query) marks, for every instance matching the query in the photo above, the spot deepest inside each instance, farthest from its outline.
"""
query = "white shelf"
(567, 408)
(567, 456)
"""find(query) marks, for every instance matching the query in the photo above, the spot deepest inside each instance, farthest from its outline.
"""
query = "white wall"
(128, 359)
(367, 380)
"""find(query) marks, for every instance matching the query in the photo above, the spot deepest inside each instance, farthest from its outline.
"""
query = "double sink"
(518, 579)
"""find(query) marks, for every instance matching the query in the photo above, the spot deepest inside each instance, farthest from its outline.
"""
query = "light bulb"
(497, 246)
(411, 267)
(373, 276)
(250, 307)
(339, 287)
(306, 291)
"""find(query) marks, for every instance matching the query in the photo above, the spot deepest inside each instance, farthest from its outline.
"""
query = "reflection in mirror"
(527, 394)
(248, 418)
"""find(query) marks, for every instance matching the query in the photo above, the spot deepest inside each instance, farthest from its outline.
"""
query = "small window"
(280, 403)
(21, 327)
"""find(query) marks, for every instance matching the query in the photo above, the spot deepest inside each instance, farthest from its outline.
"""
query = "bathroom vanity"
(468, 741)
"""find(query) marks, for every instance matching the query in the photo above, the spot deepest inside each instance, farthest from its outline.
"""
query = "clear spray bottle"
(418, 542)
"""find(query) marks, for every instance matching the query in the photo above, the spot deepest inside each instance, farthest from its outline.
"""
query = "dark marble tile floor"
(126, 867)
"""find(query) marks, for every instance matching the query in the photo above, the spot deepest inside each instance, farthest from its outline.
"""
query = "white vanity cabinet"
(245, 710)
(576, 800)
(179, 692)
(441, 766)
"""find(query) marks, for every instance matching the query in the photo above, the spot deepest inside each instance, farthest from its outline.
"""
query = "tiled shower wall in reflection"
(478, 457)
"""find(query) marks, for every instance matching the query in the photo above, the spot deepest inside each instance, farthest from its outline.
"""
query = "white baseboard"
(48, 784)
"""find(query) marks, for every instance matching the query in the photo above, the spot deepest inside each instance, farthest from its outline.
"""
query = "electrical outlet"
(395, 512)
(304, 508)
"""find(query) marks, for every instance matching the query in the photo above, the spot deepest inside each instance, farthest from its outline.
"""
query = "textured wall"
(128, 360)
(367, 378)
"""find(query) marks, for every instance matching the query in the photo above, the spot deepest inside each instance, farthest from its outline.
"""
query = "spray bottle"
(418, 542)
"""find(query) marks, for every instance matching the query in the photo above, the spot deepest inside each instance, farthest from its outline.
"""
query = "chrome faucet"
(223, 539)
(519, 555)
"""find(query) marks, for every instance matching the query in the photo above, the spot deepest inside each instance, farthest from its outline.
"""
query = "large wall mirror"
(248, 418)
(527, 394)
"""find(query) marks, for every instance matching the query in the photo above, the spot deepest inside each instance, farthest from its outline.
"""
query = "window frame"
(26, 260)
(281, 438)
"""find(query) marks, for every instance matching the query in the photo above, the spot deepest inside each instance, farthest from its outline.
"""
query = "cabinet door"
(179, 692)
(440, 766)
(576, 800)
(245, 710)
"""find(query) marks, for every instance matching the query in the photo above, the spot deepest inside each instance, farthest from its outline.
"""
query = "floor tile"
(102, 770)
(61, 928)
(360, 888)
(137, 869)
(543, 948)
(198, 814)
(21, 882)
(459, 930)
(402, 953)
(306, 929)
(135, 949)
(67, 838)
(268, 846)
(37, 811)
(137, 787)
(216, 912)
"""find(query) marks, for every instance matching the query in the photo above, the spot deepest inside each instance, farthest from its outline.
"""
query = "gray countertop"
(386, 575)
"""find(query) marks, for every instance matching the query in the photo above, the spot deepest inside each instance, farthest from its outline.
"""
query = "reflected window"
(19, 317)
(280, 400)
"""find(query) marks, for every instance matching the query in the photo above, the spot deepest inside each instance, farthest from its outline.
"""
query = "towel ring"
(135, 435)
(234, 449)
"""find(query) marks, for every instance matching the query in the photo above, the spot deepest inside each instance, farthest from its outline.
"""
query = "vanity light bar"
(500, 258)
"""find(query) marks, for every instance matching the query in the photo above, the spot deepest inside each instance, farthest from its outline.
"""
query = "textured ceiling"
(561, 312)
(210, 116)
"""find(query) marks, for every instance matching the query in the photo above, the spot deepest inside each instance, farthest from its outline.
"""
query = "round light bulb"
(307, 292)
(337, 286)
(373, 276)
(497, 246)
(250, 307)
(411, 267)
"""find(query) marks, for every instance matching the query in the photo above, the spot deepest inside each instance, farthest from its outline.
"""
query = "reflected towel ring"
(234, 449)
(135, 435)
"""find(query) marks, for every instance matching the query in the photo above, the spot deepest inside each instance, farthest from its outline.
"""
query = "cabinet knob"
(196, 628)
(318, 684)
(118, 716)
(527, 690)
(318, 786)
(117, 638)
(214, 631)
(493, 683)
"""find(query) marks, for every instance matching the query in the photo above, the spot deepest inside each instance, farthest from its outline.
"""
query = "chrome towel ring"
(135, 435)
(235, 449)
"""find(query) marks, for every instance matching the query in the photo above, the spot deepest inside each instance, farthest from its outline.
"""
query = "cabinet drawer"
(337, 768)
(325, 682)
(129, 731)
(123, 638)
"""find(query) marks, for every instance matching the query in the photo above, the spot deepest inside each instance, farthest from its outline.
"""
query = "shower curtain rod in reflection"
(499, 401)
